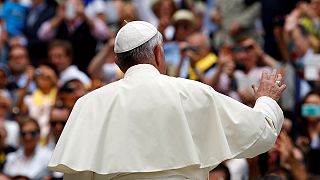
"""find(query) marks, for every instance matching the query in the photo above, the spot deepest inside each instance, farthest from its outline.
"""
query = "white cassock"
(152, 126)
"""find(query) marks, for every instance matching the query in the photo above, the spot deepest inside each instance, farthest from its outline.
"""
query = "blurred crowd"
(54, 51)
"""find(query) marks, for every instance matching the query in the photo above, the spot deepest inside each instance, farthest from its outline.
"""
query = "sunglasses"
(54, 123)
(32, 133)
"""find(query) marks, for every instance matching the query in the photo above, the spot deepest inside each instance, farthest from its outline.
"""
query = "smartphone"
(310, 110)
(70, 10)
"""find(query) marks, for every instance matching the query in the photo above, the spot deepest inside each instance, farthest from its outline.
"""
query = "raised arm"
(267, 94)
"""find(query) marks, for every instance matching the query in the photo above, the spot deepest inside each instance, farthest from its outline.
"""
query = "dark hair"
(11, 48)
(66, 45)
(51, 66)
(157, 4)
(301, 120)
(278, 170)
(223, 168)
(29, 120)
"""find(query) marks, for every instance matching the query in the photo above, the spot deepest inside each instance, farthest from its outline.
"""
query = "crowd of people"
(53, 52)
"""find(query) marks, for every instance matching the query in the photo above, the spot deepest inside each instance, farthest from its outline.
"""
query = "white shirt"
(239, 169)
(12, 128)
(32, 167)
(149, 122)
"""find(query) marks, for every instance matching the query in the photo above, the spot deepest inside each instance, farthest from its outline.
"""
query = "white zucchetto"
(133, 35)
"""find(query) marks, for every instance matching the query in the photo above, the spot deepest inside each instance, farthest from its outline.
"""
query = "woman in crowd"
(37, 105)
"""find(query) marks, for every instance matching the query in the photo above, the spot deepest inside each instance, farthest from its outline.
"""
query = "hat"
(67, 87)
(132, 35)
(183, 15)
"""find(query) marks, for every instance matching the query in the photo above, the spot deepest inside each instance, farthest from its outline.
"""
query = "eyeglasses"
(33, 134)
(54, 123)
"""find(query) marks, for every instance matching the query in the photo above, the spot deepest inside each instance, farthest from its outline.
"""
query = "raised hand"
(271, 85)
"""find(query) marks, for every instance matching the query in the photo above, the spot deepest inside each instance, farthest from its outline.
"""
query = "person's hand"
(284, 146)
(270, 85)
(182, 46)
(60, 12)
(291, 21)
(30, 72)
(246, 96)
(80, 8)
(225, 61)
(303, 143)
(234, 28)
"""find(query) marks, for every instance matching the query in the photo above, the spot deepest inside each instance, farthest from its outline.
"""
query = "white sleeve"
(272, 112)
(273, 119)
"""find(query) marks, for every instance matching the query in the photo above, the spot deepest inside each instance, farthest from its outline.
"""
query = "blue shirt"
(14, 15)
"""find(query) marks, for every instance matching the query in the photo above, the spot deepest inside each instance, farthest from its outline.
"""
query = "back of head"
(135, 43)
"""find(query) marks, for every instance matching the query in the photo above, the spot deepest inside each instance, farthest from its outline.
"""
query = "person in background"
(103, 68)
(70, 92)
(308, 139)
(183, 23)
(12, 23)
(4, 74)
(164, 11)
(197, 62)
(37, 105)
(11, 126)
(250, 64)
(220, 172)
(39, 12)
(58, 119)
(235, 20)
(128, 12)
(20, 80)
(13, 16)
(4, 148)
(31, 159)
(72, 24)
(273, 17)
(60, 54)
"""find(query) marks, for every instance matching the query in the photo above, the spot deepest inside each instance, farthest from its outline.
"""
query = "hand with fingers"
(271, 85)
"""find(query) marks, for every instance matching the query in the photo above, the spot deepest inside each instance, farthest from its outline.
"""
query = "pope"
(152, 126)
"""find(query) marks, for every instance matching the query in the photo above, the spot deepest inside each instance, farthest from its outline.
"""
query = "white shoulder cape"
(150, 122)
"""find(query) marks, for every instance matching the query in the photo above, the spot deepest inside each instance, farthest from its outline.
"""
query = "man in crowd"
(61, 56)
(152, 126)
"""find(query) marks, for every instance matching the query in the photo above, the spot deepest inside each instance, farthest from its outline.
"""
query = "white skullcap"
(132, 35)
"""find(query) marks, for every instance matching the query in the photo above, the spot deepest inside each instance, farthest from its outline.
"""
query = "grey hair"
(141, 54)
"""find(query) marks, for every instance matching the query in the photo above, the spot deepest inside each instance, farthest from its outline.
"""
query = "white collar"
(141, 68)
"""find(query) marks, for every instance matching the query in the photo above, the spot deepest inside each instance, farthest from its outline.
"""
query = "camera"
(70, 11)
(37, 72)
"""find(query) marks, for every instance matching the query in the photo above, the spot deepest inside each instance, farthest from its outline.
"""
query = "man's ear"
(159, 59)
(157, 54)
